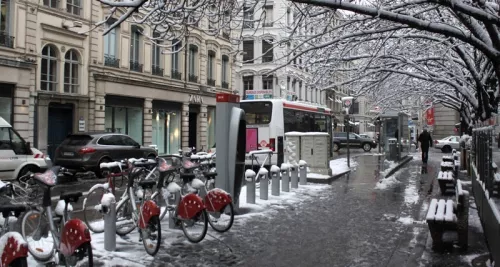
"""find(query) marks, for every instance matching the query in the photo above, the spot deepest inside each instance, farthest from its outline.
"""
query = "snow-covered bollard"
(108, 206)
(250, 183)
(294, 173)
(264, 184)
(275, 178)
(285, 177)
(303, 172)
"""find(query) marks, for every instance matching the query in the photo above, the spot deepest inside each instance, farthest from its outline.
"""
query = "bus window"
(290, 120)
(257, 112)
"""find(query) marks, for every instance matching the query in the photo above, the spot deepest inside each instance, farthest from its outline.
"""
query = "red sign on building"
(430, 116)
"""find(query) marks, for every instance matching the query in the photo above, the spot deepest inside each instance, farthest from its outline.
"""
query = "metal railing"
(176, 75)
(210, 82)
(225, 85)
(484, 188)
(111, 61)
(135, 66)
(193, 78)
(6, 40)
(156, 70)
(225, 35)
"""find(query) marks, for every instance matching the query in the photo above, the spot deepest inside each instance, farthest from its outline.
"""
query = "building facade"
(260, 55)
(57, 77)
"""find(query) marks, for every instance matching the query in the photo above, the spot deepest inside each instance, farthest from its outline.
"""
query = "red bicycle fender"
(149, 210)
(74, 234)
(189, 206)
(14, 248)
(216, 199)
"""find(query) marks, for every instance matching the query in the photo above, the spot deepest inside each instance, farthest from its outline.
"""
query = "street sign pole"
(347, 101)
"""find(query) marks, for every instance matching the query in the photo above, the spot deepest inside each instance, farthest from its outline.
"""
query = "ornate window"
(49, 69)
(71, 72)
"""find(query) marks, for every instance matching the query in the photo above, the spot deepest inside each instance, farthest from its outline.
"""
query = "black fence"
(483, 187)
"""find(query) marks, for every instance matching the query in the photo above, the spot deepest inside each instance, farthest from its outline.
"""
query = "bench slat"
(440, 210)
(449, 215)
(431, 213)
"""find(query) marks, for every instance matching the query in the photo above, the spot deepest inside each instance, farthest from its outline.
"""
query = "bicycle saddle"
(8, 208)
(49, 177)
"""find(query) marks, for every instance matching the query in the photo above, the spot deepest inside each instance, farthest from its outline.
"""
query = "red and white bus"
(269, 119)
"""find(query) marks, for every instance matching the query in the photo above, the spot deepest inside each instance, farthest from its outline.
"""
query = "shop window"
(71, 72)
(49, 69)
(126, 121)
(166, 131)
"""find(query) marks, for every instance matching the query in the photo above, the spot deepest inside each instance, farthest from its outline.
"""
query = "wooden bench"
(448, 159)
(446, 182)
(448, 215)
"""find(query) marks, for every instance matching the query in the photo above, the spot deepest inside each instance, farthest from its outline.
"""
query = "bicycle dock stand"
(171, 219)
(295, 175)
(109, 222)
(264, 184)
(303, 172)
(250, 179)
(275, 176)
(285, 177)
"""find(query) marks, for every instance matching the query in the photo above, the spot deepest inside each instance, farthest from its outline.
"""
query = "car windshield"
(77, 140)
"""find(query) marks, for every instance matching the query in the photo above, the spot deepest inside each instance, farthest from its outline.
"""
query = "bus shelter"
(394, 134)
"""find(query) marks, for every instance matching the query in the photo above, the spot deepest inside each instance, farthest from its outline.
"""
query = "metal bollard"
(303, 172)
(108, 203)
(250, 183)
(275, 176)
(264, 184)
(294, 176)
(285, 177)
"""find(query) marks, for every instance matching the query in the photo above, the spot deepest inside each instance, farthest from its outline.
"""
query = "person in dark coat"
(425, 140)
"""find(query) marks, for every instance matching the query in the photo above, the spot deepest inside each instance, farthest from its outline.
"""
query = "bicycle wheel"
(223, 220)
(81, 257)
(151, 236)
(92, 213)
(35, 230)
(159, 199)
(199, 220)
(124, 218)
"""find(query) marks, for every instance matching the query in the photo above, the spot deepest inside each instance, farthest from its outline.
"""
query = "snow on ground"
(317, 176)
(339, 166)
(406, 220)
(130, 252)
(385, 183)
(392, 165)
(411, 191)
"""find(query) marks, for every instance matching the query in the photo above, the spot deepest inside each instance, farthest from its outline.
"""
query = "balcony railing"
(268, 24)
(6, 40)
(176, 75)
(193, 78)
(210, 82)
(135, 66)
(156, 70)
(248, 25)
(225, 35)
(111, 61)
(225, 85)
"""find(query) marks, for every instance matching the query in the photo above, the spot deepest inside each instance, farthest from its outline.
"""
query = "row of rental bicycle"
(139, 193)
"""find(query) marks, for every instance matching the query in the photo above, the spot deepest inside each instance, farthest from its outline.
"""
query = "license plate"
(68, 154)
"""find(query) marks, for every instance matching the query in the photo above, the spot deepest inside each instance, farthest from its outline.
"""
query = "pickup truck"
(355, 141)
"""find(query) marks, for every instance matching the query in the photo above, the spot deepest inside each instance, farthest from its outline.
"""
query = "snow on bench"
(446, 164)
(457, 163)
(445, 175)
(441, 211)
(448, 158)
(497, 177)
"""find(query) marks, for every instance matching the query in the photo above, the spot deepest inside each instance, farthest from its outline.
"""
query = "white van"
(17, 157)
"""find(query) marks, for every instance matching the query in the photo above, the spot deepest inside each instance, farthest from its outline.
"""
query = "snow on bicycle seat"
(195, 157)
(70, 197)
(187, 164)
(110, 165)
(6, 209)
(147, 183)
(163, 166)
(49, 177)
(210, 175)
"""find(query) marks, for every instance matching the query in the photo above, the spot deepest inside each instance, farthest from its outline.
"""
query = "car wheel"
(336, 147)
(367, 147)
(98, 172)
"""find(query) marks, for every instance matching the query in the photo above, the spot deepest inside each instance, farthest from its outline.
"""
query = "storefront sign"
(81, 125)
(196, 99)
(259, 94)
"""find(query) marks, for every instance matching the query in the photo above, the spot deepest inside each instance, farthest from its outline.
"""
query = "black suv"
(355, 141)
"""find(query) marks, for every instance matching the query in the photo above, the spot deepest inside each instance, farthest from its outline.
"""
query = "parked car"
(17, 157)
(447, 144)
(355, 141)
(86, 151)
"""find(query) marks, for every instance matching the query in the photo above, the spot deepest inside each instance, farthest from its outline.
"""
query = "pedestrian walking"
(425, 140)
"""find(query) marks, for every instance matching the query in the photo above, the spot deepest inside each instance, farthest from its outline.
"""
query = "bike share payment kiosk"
(230, 125)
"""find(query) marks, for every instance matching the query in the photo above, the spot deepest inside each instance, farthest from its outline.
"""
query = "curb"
(328, 180)
(399, 166)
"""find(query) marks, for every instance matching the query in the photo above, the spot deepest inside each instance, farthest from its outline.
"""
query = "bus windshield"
(257, 112)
